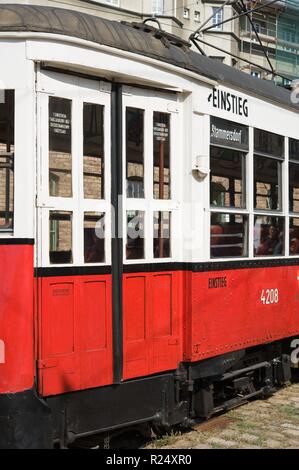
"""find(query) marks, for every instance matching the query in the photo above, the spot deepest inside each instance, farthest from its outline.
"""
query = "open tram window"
(162, 231)
(135, 235)
(294, 175)
(60, 236)
(294, 236)
(60, 147)
(269, 235)
(229, 235)
(93, 150)
(161, 134)
(268, 159)
(7, 113)
(94, 237)
(135, 152)
(227, 178)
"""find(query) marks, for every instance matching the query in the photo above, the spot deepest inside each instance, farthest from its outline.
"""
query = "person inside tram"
(272, 243)
(294, 246)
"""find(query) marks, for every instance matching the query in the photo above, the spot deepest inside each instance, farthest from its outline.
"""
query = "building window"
(93, 151)
(135, 152)
(217, 18)
(161, 143)
(7, 141)
(112, 2)
(60, 235)
(197, 16)
(186, 13)
(60, 147)
(94, 237)
(255, 74)
(158, 7)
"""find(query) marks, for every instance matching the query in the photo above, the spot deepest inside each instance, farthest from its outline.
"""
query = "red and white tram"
(149, 229)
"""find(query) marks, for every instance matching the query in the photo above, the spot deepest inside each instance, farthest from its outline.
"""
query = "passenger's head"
(273, 232)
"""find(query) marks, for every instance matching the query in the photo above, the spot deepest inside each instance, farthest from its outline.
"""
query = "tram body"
(197, 312)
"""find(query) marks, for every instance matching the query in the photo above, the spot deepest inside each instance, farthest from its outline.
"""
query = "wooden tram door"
(152, 302)
(73, 266)
(106, 314)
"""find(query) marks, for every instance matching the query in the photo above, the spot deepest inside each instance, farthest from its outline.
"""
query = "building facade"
(233, 42)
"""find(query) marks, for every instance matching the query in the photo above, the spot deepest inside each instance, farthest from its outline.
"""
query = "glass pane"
(267, 181)
(294, 236)
(294, 187)
(93, 151)
(60, 147)
(135, 235)
(268, 143)
(162, 240)
(227, 178)
(229, 235)
(268, 236)
(135, 152)
(94, 237)
(7, 107)
(60, 234)
(294, 149)
(161, 133)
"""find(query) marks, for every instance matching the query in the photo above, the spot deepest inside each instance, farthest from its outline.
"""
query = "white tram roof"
(136, 38)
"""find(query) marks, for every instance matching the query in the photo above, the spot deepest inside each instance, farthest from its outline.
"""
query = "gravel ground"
(260, 424)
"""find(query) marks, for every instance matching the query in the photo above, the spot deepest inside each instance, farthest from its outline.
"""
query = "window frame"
(163, 102)
(80, 91)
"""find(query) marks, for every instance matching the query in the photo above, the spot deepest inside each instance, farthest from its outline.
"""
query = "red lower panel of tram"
(236, 309)
(75, 327)
(169, 317)
(153, 306)
(16, 318)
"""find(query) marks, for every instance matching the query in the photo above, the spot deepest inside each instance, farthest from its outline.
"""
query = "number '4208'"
(270, 296)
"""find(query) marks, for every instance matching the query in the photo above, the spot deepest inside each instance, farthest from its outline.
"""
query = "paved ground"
(261, 424)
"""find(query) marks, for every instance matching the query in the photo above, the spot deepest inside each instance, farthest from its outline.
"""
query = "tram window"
(161, 134)
(269, 236)
(60, 228)
(7, 112)
(60, 147)
(94, 237)
(162, 238)
(294, 236)
(294, 187)
(93, 150)
(227, 178)
(267, 183)
(267, 143)
(229, 235)
(135, 235)
(135, 152)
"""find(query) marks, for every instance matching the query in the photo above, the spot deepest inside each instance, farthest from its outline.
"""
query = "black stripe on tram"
(209, 266)
(116, 241)
(56, 271)
(16, 241)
